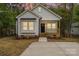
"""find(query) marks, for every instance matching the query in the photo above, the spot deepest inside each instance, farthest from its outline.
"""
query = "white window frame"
(28, 28)
(51, 29)
(51, 26)
(54, 25)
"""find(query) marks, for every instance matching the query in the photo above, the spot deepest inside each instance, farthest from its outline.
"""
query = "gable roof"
(38, 15)
(47, 10)
(26, 12)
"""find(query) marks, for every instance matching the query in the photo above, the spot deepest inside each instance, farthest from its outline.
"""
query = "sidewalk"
(52, 49)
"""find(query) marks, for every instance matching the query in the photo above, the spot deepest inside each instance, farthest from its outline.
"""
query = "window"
(31, 26)
(27, 25)
(51, 25)
(39, 9)
(24, 25)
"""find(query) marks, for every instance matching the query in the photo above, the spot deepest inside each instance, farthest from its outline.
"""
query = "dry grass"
(9, 46)
(64, 40)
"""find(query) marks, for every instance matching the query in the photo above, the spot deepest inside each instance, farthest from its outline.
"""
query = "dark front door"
(42, 27)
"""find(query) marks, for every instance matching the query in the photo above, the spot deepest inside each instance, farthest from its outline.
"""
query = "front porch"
(49, 28)
(49, 35)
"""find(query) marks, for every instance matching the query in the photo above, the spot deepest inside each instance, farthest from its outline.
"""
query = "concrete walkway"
(52, 49)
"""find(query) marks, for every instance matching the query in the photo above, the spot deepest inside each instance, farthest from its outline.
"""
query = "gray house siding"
(38, 15)
(46, 15)
(75, 31)
(26, 16)
(75, 28)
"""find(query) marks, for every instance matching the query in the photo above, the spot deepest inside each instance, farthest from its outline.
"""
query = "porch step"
(42, 35)
(42, 39)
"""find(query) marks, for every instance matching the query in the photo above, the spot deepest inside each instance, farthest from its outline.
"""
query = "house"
(40, 21)
(75, 28)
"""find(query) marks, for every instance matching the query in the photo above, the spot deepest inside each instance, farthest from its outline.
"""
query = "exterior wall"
(51, 33)
(46, 17)
(75, 31)
(49, 21)
(36, 30)
(18, 25)
(28, 15)
(75, 28)
(45, 14)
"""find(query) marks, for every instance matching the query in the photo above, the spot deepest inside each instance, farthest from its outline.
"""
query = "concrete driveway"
(52, 49)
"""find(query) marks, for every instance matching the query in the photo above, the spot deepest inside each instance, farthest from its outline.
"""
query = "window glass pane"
(53, 25)
(24, 25)
(48, 25)
(39, 9)
(31, 25)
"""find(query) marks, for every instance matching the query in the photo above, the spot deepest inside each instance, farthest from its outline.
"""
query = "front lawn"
(64, 40)
(9, 46)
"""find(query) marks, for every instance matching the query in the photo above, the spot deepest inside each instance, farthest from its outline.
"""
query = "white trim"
(47, 10)
(26, 12)
(38, 15)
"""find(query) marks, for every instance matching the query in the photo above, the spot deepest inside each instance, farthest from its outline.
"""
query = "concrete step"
(42, 39)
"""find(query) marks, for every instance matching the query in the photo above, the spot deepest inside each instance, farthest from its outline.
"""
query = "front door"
(42, 28)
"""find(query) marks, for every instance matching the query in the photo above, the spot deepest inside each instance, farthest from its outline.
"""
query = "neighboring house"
(75, 28)
(38, 22)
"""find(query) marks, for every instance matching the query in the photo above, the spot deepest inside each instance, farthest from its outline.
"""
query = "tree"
(76, 13)
(66, 12)
(7, 19)
(70, 11)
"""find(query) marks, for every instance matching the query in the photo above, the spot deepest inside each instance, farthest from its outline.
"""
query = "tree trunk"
(70, 19)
